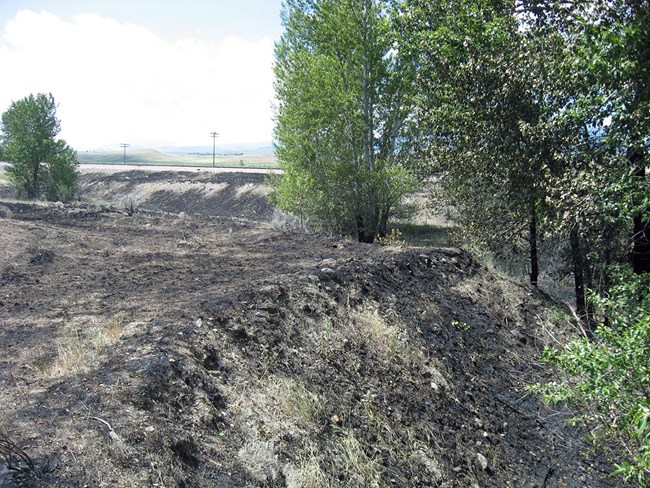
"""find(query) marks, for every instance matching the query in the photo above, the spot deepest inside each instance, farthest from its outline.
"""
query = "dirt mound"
(153, 350)
(225, 195)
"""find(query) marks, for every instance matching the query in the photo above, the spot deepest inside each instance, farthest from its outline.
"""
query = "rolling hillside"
(156, 157)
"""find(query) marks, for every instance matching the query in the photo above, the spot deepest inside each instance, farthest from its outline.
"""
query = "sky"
(149, 73)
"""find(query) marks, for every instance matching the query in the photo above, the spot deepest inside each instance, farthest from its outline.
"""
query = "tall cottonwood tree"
(39, 164)
(487, 99)
(344, 115)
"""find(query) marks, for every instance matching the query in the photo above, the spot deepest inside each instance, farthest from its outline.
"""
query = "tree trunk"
(641, 246)
(641, 229)
(367, 110)
(532, 236)
(577, 259)
(383, 222)
(361, 232)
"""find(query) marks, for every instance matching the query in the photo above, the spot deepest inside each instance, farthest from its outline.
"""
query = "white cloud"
(117, 82)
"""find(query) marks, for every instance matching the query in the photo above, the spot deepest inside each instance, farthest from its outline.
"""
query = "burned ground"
(143, 348)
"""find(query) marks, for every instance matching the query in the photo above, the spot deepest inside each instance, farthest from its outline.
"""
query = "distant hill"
(250, 148)
(136, 156)
(191, 156)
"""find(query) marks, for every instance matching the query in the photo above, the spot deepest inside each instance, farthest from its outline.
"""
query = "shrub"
(608, 376)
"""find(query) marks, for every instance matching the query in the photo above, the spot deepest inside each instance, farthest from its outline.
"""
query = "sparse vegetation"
(609, 375)
(80, 347)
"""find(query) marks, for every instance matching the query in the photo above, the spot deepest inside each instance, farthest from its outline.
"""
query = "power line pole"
(125, 146)
(214, 138)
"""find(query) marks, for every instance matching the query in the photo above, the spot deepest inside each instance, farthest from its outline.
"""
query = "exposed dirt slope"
(232, 195)
(157, 350)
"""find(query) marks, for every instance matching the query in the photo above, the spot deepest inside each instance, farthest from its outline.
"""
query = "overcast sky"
(147, 72)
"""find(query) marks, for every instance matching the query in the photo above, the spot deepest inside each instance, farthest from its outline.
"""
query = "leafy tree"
(602, 194)
(344, 116)
(39, 164)
(489, 90)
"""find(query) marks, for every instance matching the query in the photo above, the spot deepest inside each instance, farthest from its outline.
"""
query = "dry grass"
(308, 473)
(360, 468)
(79, 348)
(296, 400)
(258, 456)
(383, 339)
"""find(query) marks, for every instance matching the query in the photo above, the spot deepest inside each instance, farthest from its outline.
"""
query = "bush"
(609, 376)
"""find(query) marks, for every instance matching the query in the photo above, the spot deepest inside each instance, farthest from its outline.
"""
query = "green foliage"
(609, 376)
(343, 117)
(39, 164)
(60, 173)
(603, 185)
(489, 90)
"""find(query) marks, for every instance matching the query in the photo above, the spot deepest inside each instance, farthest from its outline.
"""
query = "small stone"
(327, 274)
(313, 278)
(482, 461)
(519, 336)
(457, 469)
(271, 289)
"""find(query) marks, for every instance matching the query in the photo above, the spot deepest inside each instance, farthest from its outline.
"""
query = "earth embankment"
(239, 195)
(178, 342)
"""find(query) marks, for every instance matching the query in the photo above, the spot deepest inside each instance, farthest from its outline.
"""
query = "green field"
(155, 157)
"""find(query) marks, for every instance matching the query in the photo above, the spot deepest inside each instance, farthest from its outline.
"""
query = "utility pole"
(125, 146)
(214, 138)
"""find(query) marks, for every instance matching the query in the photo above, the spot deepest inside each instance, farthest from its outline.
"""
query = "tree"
(602, 194)
(487, 95)
(39, 164)
(343, 116)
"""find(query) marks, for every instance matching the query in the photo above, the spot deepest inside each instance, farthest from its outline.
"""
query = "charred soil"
(143, 348)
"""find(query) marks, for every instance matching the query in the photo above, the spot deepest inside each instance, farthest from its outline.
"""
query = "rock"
(313, 278)
(482, 461)
(273, 291)
(327, 274)
(519, 336)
